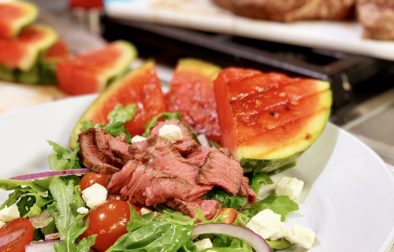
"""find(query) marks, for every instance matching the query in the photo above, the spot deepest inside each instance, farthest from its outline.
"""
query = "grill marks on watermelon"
(14, 16)
(192, 95)
(261, 113)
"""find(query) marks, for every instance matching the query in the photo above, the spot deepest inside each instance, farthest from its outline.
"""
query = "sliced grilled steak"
(290, 10)
(221, 171)
(185, 146)
(377, 17)
(208, 207)
(102, 141)
(247, 191)
(90, 154)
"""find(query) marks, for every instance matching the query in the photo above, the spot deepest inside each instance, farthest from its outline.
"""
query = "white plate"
(349, 200)
(204, 15)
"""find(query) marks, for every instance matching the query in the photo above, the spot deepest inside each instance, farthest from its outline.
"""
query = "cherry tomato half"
(227, 215)
(91, 178)
(108, 221)
(15, 235)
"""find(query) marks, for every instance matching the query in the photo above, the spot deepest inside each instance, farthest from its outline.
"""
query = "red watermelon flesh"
(57, 52)
(270, 115)
(141, 87)
(192, 95)
(22, 52)
(89, 73)
(14, 16)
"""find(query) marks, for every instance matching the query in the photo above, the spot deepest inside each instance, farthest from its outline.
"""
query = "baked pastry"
(377, 17)
(290, 10)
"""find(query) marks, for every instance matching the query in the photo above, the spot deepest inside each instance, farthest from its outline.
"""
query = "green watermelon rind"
(206, 69)
(32, 13)
(122, 65)
(7, 74)
(91, 110)
(37, 48)
(285, 157)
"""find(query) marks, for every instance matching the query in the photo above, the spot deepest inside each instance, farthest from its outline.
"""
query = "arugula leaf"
(152, 123)
(227, 200)
(170, 231)
(29, 196)
(279, 204)
(68, 222)
(280, 244)
(223, 243)
(63, 158)
(85, 125)
(117, 119)
(257, 179)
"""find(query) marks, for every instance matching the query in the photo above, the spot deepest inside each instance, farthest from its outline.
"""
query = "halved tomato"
(15, 235)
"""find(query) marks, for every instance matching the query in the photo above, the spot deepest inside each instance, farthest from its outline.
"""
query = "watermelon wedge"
(192, 95)
(92, 72)
(141, 87)
(22, 52)
(269, 119)
(55, 54)
(14, 16)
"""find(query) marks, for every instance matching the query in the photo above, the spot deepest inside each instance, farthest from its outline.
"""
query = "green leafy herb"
(168, 231)
(63, 158)
(227, 200)
(117, 119)
(85, 125)
(162, 116)
(30, 196)
(279, 244)
(68, 222)
(257, 179)
(279, 204)
(223, 243)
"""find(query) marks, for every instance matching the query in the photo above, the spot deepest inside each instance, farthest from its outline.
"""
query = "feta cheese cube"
(2, 224)
(301, 236)
(291, 187)
(9, 213)
(94, 195)
(145, 210)
(171, 132)
(82, 210)
(137, 138)
(203, 244)
(268, 225)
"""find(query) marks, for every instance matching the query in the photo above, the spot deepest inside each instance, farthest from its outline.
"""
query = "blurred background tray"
(204, 15)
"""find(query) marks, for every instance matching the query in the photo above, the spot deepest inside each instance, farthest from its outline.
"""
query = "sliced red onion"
(245, 234)
(42, 246)
(45, 174)
(203, 140)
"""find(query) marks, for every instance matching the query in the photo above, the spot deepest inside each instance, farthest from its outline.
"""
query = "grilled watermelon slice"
(14, 16)
(141, 87)
(269, 119)
(192, 95)
(22, 52)
(92, 72)
(55, 54)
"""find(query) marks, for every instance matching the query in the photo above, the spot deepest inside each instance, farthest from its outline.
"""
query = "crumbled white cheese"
(9, 213)
(171, 132)
(94, 195)
(203, 244)
(137, 139)
(301, 236)
(82, 210)
(268, 225)
(2, 224)
(145, 210)
(291, 187)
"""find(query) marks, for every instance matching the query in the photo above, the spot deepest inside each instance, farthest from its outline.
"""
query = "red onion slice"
(45, 174)
(253, 239)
